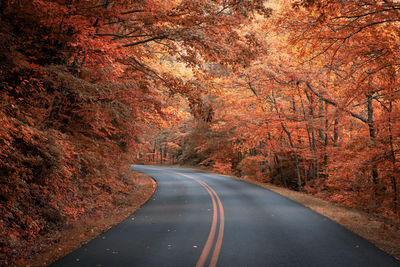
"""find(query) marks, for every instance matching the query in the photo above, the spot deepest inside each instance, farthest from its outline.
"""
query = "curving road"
(199, 219)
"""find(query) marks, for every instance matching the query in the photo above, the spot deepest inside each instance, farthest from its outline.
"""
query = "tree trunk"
(326, 142)
(336, 133)
(296, 158)
(283, 179)
(372, 135)
(310, 143)
(393, 156)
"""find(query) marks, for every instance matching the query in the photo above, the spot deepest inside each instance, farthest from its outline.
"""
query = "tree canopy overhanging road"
(201, 219)
(303, 94)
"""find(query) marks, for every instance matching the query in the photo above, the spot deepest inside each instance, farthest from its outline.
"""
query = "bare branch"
(333, 103)
(145, 41)
(132, 11)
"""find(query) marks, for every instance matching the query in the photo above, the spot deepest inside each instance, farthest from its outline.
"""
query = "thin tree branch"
(333, 103)
(145, 41)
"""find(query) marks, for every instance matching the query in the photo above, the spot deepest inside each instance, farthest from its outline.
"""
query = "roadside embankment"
(91, 225)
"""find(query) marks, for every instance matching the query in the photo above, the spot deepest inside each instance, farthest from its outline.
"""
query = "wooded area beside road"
(303, 94)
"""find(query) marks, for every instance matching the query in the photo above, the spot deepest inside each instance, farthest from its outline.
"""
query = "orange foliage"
(81, 81)
(305, 97)
(317, 110)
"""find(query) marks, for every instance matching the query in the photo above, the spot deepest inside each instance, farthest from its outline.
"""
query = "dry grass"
(89, 227)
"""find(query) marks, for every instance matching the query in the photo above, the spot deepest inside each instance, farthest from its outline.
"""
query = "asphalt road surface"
(200, 219)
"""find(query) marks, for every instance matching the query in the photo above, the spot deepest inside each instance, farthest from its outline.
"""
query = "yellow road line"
(208, 245)
(218, 244)
(210, 239)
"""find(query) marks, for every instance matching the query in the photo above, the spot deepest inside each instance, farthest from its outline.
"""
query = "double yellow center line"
(218, 211)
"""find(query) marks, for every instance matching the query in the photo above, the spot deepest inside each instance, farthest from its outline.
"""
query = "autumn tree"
(317, 110)
(357, 42)
(81, 80)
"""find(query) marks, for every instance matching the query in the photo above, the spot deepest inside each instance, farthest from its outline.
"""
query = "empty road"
(200, 219)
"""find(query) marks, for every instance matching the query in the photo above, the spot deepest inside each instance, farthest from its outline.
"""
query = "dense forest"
(317, 110)
(302, 94)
